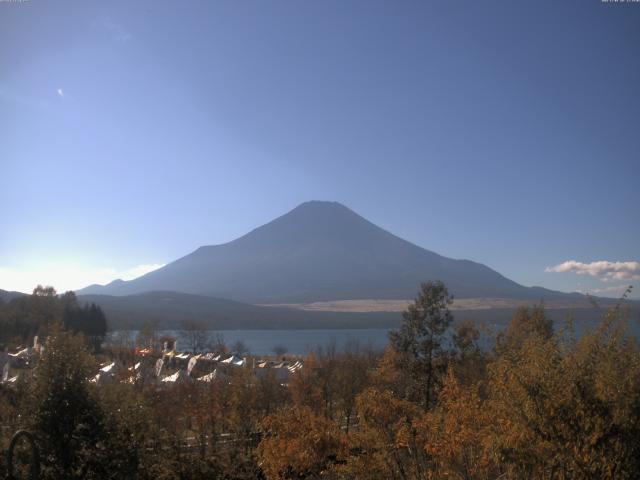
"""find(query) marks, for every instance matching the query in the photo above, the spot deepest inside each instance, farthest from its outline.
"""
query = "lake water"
(300, 342)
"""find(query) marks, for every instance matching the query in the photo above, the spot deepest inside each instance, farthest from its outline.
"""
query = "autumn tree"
(526, 323)
(569, 411)
(349, 379)
(458, 433)
(9, 419)
(271, 394)
(196, 335)
(127, 431)
(298, 444)
(240, 348)
(468, 360)
(305, 387)
(387, 443)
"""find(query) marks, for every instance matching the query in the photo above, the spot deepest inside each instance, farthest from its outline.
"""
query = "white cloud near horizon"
(67, 277)
(602, 269)
(617, 290)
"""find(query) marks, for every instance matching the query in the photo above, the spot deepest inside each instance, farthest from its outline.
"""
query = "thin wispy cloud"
(117, 32)
(60, 92)
(602, 269)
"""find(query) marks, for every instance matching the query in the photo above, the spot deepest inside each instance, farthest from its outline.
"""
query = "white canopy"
(295, 367)
(209, 377)
(108, 368)
(22, 353)
(233, 360)
(179, 376)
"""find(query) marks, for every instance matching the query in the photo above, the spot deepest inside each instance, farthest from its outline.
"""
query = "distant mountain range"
(320, 251)
(6, 295)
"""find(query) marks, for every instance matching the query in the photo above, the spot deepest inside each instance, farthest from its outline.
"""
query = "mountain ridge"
(321, 251)
(7, 295)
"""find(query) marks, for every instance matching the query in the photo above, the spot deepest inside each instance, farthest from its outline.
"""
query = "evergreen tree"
(88, 319)
(419, 340)
(62, 410)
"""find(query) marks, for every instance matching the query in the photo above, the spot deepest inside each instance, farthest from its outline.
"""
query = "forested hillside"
(24, 316)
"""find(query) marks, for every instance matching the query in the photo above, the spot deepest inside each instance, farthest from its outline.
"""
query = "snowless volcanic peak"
(320, 251)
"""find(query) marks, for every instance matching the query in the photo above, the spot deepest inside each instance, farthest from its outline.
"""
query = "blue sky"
(503, 132)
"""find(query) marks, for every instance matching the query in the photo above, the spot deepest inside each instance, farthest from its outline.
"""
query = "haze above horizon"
(133, 133)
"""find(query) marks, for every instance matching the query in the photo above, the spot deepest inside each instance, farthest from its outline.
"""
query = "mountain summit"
(319, 251)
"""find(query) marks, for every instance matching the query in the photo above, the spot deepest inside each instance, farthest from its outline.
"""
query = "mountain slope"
(320, 251)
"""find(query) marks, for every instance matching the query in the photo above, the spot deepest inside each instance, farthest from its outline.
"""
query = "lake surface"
(300, 342)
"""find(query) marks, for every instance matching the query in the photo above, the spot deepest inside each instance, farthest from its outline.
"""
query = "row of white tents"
(187, 367)
(216, 364)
